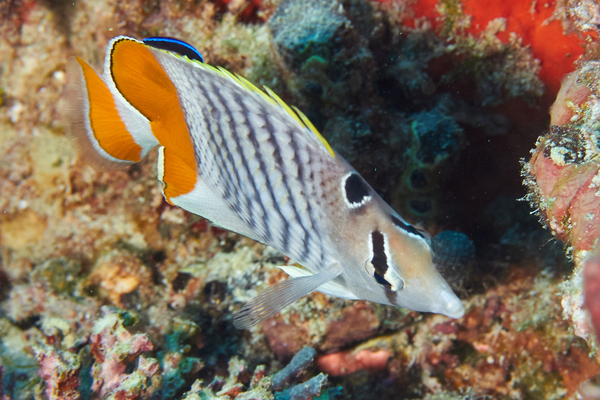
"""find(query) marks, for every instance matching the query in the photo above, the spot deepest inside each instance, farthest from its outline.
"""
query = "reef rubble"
(106, 291)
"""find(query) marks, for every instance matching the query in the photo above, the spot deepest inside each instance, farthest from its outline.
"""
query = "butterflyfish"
(245, 160)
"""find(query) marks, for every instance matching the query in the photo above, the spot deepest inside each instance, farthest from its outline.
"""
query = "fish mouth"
(450, 305)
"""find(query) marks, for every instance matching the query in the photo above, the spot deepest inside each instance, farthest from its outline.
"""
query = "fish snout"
(449, 304)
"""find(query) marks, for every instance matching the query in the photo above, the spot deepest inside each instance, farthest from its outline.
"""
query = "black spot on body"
(356, 189)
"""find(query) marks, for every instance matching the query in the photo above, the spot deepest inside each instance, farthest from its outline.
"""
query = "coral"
(177, 367)
(60, 371)
(403, 95)
(562, 178)
(285, 338)
(401, 98)
(260, 385)
(565, 193)
(468, 394)
(577, 16)
(304, 391)
(357, 322)
(113, 348)
(523, 24)
(260, 388)
(118, 275)
(299, 362)
(562, 172)
(572, 94)
(435, 138)
(302, 29)
(572, 290)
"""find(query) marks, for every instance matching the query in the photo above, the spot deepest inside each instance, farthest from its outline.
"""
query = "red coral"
(532, 22)
(348, 362)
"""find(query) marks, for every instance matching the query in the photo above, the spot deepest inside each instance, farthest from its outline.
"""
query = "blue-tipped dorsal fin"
(176, 46)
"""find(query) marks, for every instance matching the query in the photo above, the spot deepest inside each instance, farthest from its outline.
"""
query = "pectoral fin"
(281, 295)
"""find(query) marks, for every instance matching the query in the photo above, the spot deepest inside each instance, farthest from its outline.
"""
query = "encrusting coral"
(563, 177)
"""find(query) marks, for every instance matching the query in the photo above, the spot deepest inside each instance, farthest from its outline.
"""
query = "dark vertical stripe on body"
(292, 200)
(267, 236)
(261, 164)
(249, 218)
(309, 208)
(380, 259)
(214, 127)
(302, 183)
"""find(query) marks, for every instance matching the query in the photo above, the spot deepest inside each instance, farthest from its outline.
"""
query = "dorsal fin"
(268, 94)
(283, 104)
(314, 130)
(176, 46)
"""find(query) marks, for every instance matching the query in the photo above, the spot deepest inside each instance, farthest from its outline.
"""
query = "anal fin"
(107, 130)
(281, 295)
(331, 288)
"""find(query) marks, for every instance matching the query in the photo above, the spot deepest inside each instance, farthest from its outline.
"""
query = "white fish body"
(247, 162)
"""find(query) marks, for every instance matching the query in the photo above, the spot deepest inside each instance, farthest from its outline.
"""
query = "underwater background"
(108, 292)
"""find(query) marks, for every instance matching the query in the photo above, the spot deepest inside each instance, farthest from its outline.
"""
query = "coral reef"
(562, 177)
(60, 372)
(299, 362)
(516, 23)
(261, 386)
(106, 291)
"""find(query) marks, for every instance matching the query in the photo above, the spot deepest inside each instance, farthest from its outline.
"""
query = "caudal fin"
(108, 131)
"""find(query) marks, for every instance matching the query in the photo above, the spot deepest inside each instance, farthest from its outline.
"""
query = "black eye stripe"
(356, 190)
(381, 280)
(406, 227)
(379, 261)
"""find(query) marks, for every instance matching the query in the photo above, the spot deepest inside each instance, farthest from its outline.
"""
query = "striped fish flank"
(245, 160)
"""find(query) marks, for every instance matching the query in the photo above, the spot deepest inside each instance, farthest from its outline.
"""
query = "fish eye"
(355, 190)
